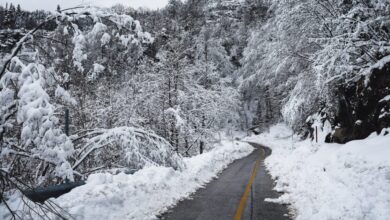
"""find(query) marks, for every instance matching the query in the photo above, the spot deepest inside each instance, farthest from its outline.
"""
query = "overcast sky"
(52, 4)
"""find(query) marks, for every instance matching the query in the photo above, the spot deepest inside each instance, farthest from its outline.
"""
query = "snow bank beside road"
(330, 181)
(151, 190)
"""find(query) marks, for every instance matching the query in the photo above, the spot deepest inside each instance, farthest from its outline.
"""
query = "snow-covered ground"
(330, 181)
(148, 192)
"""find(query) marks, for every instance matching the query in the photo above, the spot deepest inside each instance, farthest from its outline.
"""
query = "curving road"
(238, 193)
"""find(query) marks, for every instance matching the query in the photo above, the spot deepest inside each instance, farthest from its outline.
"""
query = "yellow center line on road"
(241, 207)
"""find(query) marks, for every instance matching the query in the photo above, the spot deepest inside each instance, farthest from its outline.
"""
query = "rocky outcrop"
(362, 106)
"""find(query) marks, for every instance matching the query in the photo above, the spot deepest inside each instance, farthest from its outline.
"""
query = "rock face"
(362, 107)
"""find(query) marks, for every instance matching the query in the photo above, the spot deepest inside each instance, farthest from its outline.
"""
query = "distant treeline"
(14, 17)
(14, 22)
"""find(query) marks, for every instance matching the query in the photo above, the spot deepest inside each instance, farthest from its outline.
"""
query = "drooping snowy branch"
(131, 147)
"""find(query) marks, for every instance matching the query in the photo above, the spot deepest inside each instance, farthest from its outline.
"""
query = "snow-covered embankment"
(330, 181)
(150, 191)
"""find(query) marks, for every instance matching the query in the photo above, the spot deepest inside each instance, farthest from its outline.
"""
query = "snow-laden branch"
(33, 90)
(131, 147)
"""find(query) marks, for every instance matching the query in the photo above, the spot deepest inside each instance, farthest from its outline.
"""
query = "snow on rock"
(330, 181)
(150, 191)
(379, 65)
(385, 99)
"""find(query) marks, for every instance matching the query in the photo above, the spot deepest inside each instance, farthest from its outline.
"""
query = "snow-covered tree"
(35, 91)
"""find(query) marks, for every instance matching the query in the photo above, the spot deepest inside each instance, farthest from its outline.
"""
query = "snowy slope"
(330, 181)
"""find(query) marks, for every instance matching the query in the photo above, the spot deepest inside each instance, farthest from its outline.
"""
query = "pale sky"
(52, 4)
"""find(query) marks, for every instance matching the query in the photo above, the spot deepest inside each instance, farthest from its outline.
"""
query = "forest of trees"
(89, 89)
(14, 21)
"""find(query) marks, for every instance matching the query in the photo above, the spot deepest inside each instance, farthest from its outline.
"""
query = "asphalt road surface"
(238, 193)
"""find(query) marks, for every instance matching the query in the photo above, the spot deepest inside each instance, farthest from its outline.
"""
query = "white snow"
(38, 121)
(179, 120)
(105, 39)
(385, 99)
(330, 181)
(97, 30)
(148, 192)
(97, 70)
(65, 96)
(136, 147)
(79, 56)
(151, 190)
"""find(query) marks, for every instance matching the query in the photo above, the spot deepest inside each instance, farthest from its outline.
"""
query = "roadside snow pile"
(150, 191)
(330, 181)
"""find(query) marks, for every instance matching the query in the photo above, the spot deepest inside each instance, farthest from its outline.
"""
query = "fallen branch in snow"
(35, 210)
